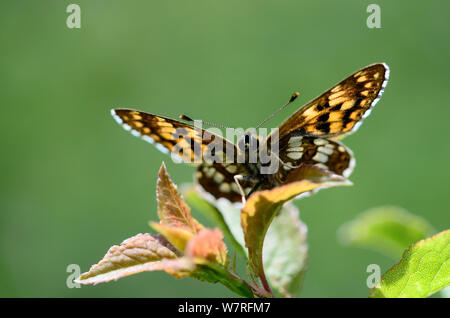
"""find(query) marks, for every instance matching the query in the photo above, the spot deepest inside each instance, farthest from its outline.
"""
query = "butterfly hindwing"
(218, 180)
(297, 151)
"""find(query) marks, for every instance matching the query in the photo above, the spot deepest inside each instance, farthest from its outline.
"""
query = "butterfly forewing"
(191, 144)
(341, 109)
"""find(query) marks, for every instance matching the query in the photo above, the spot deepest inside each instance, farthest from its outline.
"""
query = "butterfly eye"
(251, 142)
(248, 142)
(247, 139)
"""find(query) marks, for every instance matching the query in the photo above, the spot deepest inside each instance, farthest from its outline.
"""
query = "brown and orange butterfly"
(308, 137)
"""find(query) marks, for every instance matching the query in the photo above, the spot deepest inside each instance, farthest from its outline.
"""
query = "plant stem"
(257, 291)
(265, 283)
(235, 283)
(262, 277)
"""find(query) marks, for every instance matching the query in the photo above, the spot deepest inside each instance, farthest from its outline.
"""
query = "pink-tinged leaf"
(208, 245)
(262, 206)
(140, 253)
(178, 237)
(172, 209)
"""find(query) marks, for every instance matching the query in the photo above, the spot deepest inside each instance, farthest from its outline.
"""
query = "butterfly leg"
(240, 177)
(237, 178)
(255, 187)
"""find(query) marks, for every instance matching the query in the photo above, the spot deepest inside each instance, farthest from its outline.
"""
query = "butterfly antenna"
(293, 97)
(187, 118)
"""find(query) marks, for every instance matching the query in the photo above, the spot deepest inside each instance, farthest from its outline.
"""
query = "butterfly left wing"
(218, 180)
(340, 110)
(191, 144)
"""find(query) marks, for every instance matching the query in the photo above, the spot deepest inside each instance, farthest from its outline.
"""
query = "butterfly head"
(248, 147)
(248, 142)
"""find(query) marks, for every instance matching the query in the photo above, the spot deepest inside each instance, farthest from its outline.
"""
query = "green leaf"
(220, 214)
(285, 252)
(445, 293)
(423, 270)
(262, 206)
(140, 253)
(387, 229)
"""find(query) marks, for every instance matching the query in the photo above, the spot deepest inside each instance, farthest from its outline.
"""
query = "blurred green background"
(73, 183)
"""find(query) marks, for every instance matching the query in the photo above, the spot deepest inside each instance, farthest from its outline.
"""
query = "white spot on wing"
(135, 133)
(225, 187)
(367, 113)
(295, 140)
(388, 71)
(296, 149)
(386, 75)
(295, 155)
(320, 141)
(375, 101)
(218, 177)
(209, 172)
(325, 150)
(116, 118)
(148, 139)
(320, 157)
(357, 125)
(176, 158)
(162, 148)
(347, 172)
(231, 168)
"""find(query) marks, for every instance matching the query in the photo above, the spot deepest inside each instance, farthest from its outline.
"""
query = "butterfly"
(309, 137)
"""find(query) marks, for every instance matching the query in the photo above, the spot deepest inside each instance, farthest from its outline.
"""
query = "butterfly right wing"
(189, 143)
(340, 110)
(297, 151)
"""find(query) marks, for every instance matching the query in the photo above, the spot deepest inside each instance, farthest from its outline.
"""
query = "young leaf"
(285, 252)
(177, 236)
(262, 206)
(209, 246)
(143, 252)
(220, 215)
(387, 229)
(423, 270)
(172, 209)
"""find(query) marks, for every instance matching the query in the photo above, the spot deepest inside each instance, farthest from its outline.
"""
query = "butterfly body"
(308, 137)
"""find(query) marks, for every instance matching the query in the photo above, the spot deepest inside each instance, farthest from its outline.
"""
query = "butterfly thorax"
(261, 165)
(256, 156)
